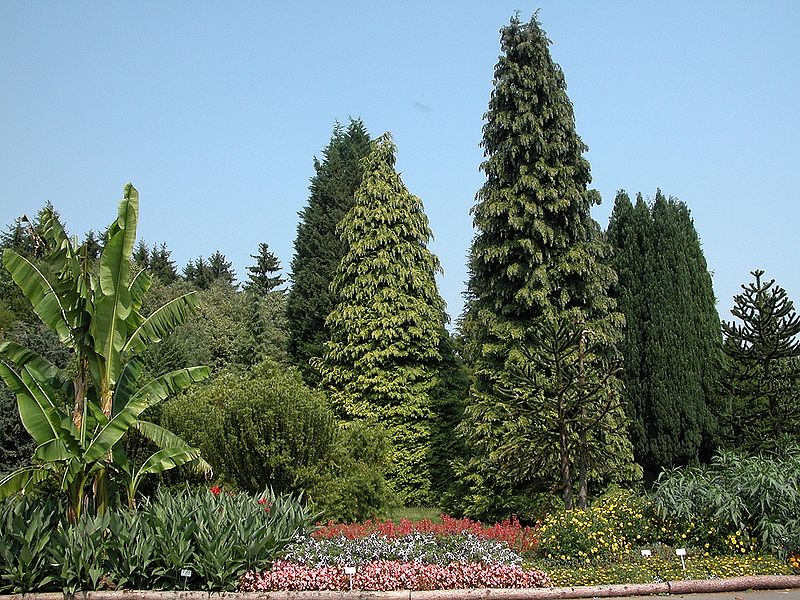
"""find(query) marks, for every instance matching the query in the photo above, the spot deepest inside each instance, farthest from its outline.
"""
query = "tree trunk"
(566, 475)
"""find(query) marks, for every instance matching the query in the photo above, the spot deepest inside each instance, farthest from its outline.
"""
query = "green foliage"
(735, 501)
(355, 488)
(16, 444)
(260, 428)
(537, 254)
(263, 278)
(317, 249)
(762, 374)
(672, 340)
(448, 398)
(217, 270)
(382, 358)
(218, 538)
(564, 414)
(98, 318)
(26, 529)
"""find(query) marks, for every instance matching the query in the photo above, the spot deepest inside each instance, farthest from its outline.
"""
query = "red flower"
(216, 490)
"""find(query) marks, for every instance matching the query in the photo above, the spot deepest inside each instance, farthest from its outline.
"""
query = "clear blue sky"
(216, 110)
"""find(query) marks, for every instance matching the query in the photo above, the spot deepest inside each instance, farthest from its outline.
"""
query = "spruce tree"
(382, 358)
(263, 277)
(537, 255)
(317, 248)
(672, 339)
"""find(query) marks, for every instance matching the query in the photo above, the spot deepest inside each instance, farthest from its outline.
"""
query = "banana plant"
(78, 420)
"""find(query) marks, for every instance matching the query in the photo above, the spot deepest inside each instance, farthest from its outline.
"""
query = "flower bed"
(454, 554)
(386, 575)
(518, 537)
(425, 548)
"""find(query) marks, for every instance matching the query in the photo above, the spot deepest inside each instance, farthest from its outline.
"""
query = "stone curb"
(735, 584)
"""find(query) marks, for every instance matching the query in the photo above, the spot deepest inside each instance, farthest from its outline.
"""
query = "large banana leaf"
(155, 391)
(127, 384)
(36, 407)
(164, 438)
(166, 459)
(113, 303)
(138, 287)
(21, 356)
(161, 323)
(162, 387)
(18, 481)
(40, 293)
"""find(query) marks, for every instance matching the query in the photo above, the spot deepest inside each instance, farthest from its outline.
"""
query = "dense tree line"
(583, 357)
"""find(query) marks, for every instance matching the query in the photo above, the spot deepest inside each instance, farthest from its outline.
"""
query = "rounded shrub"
(258, 429)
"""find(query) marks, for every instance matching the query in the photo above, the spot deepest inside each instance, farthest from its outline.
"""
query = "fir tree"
(141, 255)
(381, 361)
(263, 277)
(762, 373)
(161, 265)
(317, 248)
(220, 269)
(672, 340)
(537, 255)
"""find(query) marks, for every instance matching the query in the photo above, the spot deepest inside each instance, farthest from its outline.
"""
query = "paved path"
(754, 595)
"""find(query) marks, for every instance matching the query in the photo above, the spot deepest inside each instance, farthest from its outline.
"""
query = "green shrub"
(258, 429)
(735, 504)
(613, 525)
(355, 487)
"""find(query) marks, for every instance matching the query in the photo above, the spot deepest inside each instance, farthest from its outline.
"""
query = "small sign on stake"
(646, 553)
(350, 571)
(682, 553)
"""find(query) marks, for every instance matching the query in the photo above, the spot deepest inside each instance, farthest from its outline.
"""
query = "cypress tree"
(672, 341)
(381, 361)
(317, 248)
(537, 255)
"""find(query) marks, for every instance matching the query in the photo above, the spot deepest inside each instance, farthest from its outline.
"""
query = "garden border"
(689, 586)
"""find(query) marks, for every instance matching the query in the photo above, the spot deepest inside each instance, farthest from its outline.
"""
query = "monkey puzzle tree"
(763, 370)
(381, 361)
(78, 415)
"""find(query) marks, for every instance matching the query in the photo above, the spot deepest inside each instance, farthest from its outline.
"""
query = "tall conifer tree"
(264, 276)
(382, 359)
(537, 254)
(672, 343)
(317, 248)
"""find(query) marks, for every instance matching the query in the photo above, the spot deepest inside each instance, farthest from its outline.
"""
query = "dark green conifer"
(317, 248)
(537, 255)
(263, 277)
(161, 265)
(762, 373)
(382, 359)
(672, 339)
